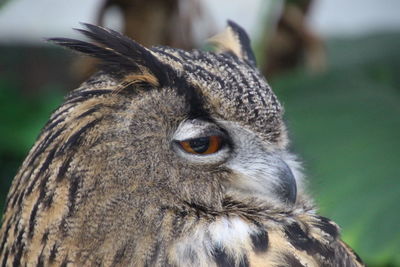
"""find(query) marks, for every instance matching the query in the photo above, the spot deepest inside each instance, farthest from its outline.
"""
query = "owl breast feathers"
(166, 158)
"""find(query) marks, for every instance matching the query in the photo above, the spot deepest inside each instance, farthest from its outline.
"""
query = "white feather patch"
(230, 234)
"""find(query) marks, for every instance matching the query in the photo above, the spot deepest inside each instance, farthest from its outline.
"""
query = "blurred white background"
(31, 21)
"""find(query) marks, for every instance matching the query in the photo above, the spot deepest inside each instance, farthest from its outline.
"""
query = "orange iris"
(202, 145)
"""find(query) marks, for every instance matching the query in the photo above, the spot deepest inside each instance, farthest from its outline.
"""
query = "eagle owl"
(166, 158)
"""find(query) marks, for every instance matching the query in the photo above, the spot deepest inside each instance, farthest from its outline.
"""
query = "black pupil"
(200, 145)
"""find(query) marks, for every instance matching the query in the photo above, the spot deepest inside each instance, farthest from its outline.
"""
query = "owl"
(166, 158)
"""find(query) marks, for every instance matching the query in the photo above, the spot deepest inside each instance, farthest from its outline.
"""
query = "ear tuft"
(235, 40)
(117, 52)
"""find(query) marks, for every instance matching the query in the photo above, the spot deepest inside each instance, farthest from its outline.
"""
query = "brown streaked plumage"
(108, 182)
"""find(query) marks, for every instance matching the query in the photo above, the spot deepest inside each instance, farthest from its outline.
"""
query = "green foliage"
(3, 3)
(345, 125)
(22, 116)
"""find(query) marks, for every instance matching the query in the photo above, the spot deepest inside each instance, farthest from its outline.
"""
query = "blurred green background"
(344, 123)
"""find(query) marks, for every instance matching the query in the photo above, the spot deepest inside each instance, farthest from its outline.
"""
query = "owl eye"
(203, 145)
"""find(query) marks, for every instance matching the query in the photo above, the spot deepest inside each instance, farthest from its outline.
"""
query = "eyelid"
(206, 132)
(195, 128)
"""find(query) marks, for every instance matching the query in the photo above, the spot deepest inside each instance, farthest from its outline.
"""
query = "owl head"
(195, 125)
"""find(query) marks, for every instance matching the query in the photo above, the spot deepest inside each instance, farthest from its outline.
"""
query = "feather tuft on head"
(118, 54)
(234, 40)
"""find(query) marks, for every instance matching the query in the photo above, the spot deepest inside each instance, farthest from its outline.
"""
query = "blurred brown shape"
(152, 22)
(149, 22)
(292, 43)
